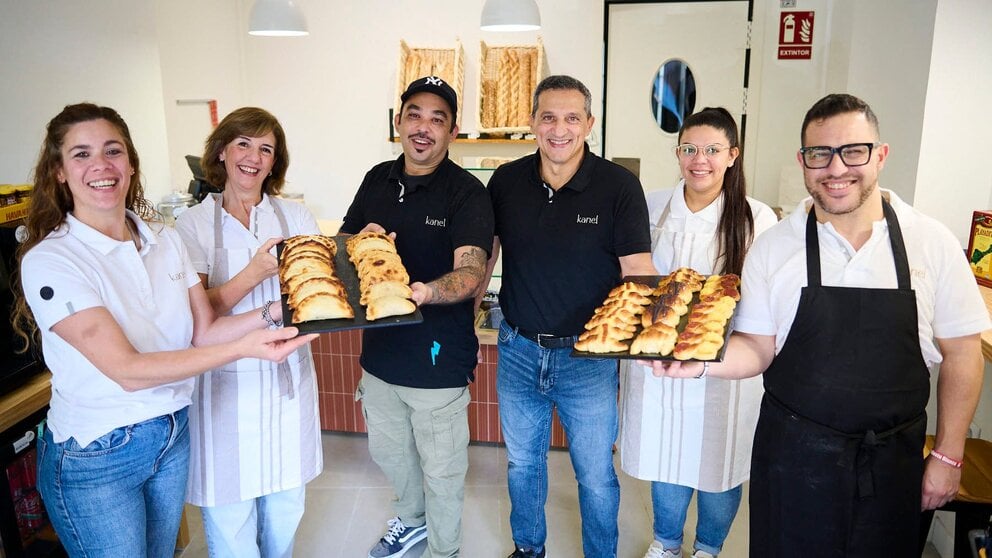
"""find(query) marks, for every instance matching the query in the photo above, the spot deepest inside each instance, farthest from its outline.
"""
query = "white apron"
(254, 426)
(690, 432)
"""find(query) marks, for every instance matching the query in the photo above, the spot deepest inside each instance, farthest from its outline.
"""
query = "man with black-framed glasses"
(847, 306)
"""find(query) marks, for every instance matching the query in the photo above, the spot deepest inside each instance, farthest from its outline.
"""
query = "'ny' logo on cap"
(434, 80)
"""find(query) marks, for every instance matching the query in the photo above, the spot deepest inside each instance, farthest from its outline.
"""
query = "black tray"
(345, 271)
(653, 281)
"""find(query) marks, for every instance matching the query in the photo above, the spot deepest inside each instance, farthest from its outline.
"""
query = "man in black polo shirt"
(570, 225)
(414, 386)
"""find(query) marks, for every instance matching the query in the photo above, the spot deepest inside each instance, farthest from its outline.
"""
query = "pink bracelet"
(944, 459)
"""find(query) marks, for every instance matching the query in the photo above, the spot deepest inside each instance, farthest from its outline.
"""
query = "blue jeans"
(263, 526)
(716, 512)
(122, 495)
(531, 381)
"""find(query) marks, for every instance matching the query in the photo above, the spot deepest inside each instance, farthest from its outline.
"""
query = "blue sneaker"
(398, 539)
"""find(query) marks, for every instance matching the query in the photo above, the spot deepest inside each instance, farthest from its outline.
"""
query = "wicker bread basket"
(508, 75)
(445, 63)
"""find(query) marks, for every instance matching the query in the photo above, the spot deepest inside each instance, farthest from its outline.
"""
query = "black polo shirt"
(431, 218)
(560, 249)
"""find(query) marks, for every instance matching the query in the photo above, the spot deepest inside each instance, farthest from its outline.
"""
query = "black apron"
(837, 465)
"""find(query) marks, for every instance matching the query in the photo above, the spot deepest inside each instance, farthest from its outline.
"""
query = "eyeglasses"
(852, 154)
(688, 150)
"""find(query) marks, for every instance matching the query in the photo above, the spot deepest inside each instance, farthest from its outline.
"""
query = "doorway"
(665, 60)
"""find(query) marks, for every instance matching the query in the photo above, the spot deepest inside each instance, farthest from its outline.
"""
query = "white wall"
(878, 50)
(58, 53)
(333, 89)
(955, 177)
(201, 59)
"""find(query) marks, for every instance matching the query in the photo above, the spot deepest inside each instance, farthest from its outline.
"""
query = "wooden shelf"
(20, 403)
(505, 141)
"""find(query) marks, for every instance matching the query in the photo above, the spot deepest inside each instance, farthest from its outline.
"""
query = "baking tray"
(653, 281)
(345, 271)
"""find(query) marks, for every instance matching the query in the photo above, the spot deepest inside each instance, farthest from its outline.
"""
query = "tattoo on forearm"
(463, 282)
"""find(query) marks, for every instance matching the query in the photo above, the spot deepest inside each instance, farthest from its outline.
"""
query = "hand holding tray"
(345, 271)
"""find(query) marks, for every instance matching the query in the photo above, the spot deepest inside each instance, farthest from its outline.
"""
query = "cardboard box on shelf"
(980, 247)
(14, 201)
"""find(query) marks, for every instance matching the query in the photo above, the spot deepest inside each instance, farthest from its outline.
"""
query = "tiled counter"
(338, 371)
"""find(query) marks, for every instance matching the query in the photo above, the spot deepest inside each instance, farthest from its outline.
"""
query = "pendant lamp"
(510, 15)
(277, 18)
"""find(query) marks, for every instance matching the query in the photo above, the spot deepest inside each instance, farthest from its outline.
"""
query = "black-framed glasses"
(852, 154)
(689, 150)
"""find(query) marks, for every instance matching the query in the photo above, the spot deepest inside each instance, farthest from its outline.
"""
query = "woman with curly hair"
(124, 322)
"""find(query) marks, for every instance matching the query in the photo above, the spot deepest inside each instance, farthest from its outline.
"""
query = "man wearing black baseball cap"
(414, 386)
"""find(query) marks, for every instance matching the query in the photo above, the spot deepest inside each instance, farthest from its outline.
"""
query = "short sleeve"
(473, 222)
(755, 314)
(194, 242)
(354, 219)
(55, 288)
(631, 229)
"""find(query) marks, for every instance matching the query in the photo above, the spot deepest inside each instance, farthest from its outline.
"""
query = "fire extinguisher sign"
(795, 36)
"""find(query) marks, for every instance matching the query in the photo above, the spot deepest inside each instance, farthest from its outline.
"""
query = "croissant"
(600, 343)
(619, 333)
(614, 305)
(631, 287)
(659, 339)
(700, 347)
(618, 318)
(661, 314)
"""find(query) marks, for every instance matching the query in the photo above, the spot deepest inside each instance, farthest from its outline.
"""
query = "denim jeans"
(531, 381)
(264, 526)
(716, 512)
(122, 495)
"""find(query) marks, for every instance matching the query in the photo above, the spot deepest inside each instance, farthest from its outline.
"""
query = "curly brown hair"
(252, 122)
(51, 200)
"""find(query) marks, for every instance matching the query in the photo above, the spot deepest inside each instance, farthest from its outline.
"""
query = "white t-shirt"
(76, 268)
(947, 298)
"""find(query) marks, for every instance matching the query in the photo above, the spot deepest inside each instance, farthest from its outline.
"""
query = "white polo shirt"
(947, 298)
(75, 268)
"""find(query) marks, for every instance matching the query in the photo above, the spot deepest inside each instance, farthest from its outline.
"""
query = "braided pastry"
(631, 287)
(602, 340)
(703, 346)
(657, 339)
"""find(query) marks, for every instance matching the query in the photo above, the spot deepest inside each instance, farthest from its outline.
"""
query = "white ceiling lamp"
(510, 15)
(277, 18)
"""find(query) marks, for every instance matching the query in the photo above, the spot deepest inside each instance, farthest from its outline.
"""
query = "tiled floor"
(348, 505)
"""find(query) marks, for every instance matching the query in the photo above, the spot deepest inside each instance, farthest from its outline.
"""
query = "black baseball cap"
(435, 85)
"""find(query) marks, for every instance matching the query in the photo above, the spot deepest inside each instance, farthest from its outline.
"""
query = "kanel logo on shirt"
(435, 350)
(587, 220)
(436, 222)
(177, 276)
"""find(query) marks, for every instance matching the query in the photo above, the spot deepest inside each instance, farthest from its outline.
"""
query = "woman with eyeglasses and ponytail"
(694, 435)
